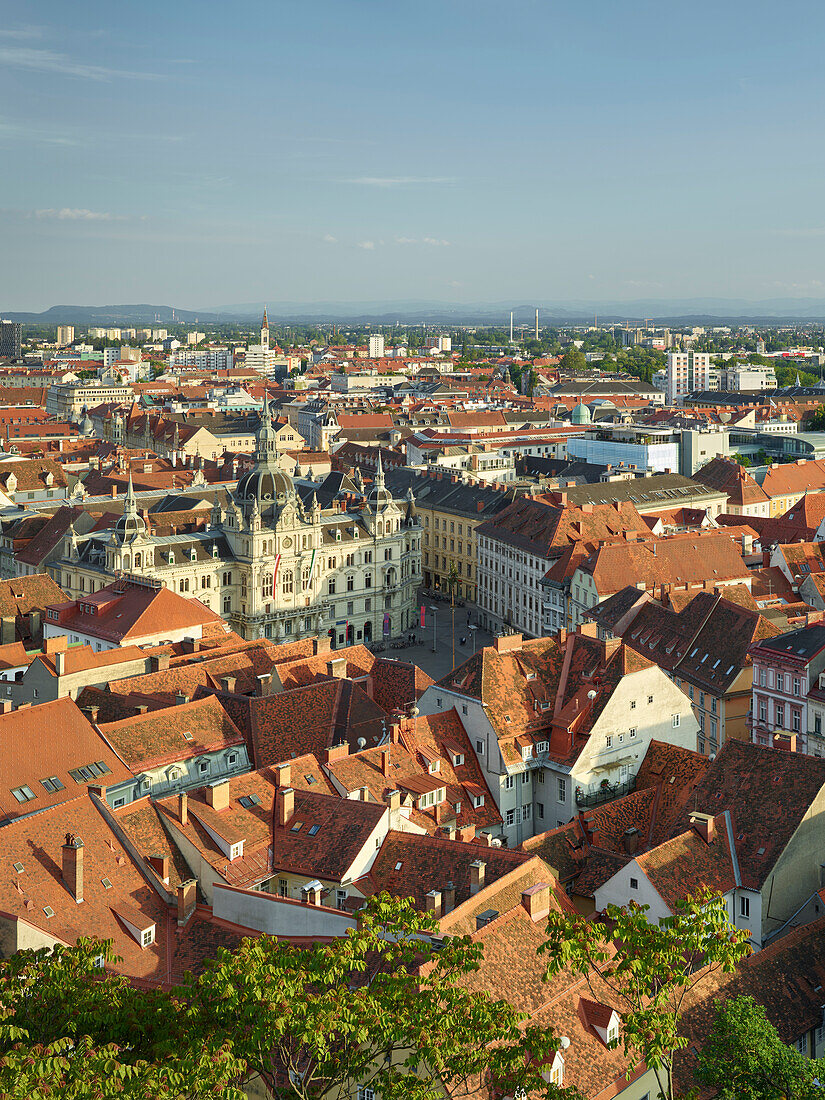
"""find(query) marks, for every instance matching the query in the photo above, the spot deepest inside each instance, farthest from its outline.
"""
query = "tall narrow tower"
(537, 324)
(265, 332)
(511, 326)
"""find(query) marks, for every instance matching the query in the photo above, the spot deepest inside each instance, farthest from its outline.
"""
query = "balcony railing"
(604, 794)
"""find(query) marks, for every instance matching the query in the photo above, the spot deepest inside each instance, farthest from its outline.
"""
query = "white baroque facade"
(274, 565)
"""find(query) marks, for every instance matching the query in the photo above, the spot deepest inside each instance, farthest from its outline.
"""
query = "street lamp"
(433, 608)
(474, 628)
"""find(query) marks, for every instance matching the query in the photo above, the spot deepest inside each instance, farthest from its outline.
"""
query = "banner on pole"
(423, 616)
(386, 625)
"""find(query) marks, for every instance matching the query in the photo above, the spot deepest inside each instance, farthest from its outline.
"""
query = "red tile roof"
(46, 742)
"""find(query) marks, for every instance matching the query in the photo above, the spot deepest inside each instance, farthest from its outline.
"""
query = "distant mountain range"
(414, 311)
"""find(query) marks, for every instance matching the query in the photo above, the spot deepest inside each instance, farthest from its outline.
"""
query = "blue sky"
(206, 154)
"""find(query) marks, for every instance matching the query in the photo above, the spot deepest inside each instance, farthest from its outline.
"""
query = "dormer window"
(527, 752)
(147, 936)
(435, 766)
(613, 1032)
(478, 801)
(542, 746)
(236, 851)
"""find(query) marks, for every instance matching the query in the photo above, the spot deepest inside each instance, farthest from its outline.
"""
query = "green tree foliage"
(652, 972)
(385, 1007)
(70, 1031)
(743, 1058)
(573, 360)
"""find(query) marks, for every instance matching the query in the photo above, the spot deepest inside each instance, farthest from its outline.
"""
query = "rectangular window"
(510, 817)
(634, 884)
(744, 906)
(561, 787)
(508, 783)
(479, 748)
(608, 741)
(676, 720)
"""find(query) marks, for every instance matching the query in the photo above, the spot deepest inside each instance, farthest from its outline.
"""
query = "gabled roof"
(130, 611)
(683, 865)
(768, 793)
(726, 475)
(22, 595)
(308, 719)
(50, 741)
(176, 733)
(430, 863)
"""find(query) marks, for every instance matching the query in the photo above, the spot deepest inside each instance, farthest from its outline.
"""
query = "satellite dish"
(362, 742)
(591, 694)
(724, 417)
(564, 1042)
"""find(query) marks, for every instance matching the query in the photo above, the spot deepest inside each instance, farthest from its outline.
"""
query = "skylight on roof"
(187, 735)
(19, 868)
(106, 884)
(296, 828)
(313, 829)
(398, 866)
(47, 909)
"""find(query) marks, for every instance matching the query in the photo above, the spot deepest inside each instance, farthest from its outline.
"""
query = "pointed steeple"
(379, 473)
(264, 322)
(130, 504)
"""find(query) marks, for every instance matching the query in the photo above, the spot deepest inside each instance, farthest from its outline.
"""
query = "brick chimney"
(630, 840)
(477, 871)
(286, 805)
(433, 902)
(217, 795)
(160, 865)
(448, 897)
(187, 899)
(183, 808)
(159, 663)
(704, 825)
(73, 866)
(337, 752)
(385, 763)
(393, 800)
(466, 833)
(283, 774)
(536, 901)
(337, 668)
(55, 645)
(507, 643)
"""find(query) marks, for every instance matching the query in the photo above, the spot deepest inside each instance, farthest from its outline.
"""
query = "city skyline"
(455, 153)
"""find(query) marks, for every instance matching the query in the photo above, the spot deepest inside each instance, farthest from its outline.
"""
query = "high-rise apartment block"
(11, 334)
(376, 346)
(688, 371)
(65, 335)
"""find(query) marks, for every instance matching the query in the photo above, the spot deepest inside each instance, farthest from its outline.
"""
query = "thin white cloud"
(329, 239)
(398, 181)
(368, 246)
(47, 61)
(21, 33)
(73, 214)
(34, 135)
(433, 241)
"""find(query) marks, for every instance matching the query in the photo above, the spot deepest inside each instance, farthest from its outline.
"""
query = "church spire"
(130, 504)
(265, 332)
(379, 472)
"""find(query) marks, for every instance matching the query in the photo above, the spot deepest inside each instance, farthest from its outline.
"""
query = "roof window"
(398, 866)
(23, 794)
(52, 784)
(296, 828)
(310, 779)
(47, 909)
(19, 868)
(187, 735)
(249, 800)
(313, 829)
(106, 884)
